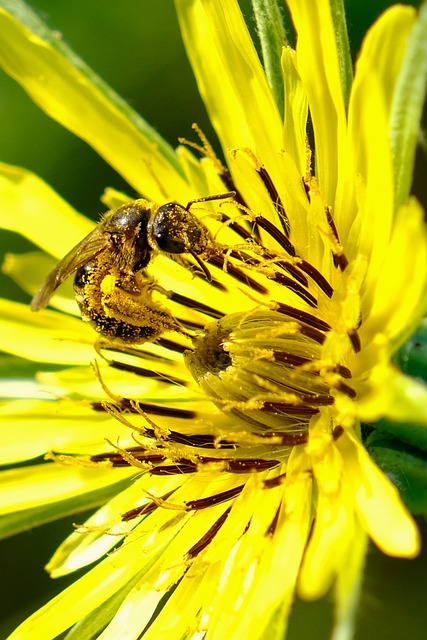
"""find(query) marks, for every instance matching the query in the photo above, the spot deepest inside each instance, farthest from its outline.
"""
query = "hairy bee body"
(112, 289)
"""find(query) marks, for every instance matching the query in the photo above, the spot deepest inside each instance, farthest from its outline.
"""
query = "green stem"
(343, 46)
(271, 33)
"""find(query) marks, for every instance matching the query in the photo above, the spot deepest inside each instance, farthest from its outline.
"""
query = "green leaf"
(407, 106)
(272, 36)
(400, 450)
(412, 357)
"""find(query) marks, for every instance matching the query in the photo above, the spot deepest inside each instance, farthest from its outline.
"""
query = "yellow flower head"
(247, 311)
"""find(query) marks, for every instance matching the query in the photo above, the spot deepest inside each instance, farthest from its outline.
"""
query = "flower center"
(264, 368)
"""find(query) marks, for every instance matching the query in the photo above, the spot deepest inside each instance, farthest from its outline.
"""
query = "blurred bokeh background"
(136, 47)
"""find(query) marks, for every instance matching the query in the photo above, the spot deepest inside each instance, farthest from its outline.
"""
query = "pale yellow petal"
(77, 99)
(318, 65)
(296, 112)
(369, 128)
(231, 79)
(391, 394)
(399, 294)
(105, 529)
(348, 586)
(378, 503)
(46, 336)
(55, 425)
(43, 484)
(34, 210)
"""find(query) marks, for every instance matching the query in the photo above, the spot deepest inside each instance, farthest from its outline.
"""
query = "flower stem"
(343, 47)
(272, 36)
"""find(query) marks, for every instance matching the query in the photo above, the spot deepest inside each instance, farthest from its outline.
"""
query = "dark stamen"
(295, 287)
(230, 465)
(318, 278)
(217, 498)
(290, 359)
(237, 228)
(306, 189)
(117, 460)
(138, 511)
(345, 388)
(294, 271)
(313, 334)
(171, 345)
(219, 261)
(339, 259)
(144, 510)
(274, 482)
(229, 183)
(337, 432)
(275, 233)
(209, 535)
(275, 198)
(286, 439)
(303, 316)
(146, 373)
(247, 465)
(355, 340)
(138, 407)
(343, 371)
(287, 408)
(200, 441)
(195, 304)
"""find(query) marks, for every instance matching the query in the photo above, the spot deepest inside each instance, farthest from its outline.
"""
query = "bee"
(112, 289)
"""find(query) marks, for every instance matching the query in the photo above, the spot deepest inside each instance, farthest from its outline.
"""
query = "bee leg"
(202, 265)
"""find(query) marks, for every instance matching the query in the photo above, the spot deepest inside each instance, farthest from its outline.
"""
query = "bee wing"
(81, 254)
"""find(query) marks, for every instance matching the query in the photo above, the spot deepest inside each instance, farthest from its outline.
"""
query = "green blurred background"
(136, 47)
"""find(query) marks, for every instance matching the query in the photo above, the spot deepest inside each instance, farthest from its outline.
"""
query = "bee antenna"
(218, 196)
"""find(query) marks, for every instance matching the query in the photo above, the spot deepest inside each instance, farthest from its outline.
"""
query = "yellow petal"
(48, 483)
(331, 539)
(393, 395)
(399, 295)
(30, 269)
(378, 503)
(71, 94)
(46, 336)
(318, 65)
(349, 584)
(99, 584)
(54, 425)
(230, 77)
(369, 129)
(34, 210)
(296, 111)
(90, 542)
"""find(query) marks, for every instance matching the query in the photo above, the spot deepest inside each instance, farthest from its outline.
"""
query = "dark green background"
(136, 48)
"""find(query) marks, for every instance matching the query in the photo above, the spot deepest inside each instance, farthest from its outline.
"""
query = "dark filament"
(209, 535)
(275, 198)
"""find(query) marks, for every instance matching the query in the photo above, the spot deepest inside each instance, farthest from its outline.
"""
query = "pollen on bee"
(108, 284)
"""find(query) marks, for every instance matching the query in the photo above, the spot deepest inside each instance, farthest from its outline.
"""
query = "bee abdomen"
(119, 329)
(120, 306)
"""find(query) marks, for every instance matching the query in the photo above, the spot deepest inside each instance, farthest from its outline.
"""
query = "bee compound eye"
(175, 230)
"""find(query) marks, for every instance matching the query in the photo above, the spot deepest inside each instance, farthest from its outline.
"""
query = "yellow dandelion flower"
(247, 313)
